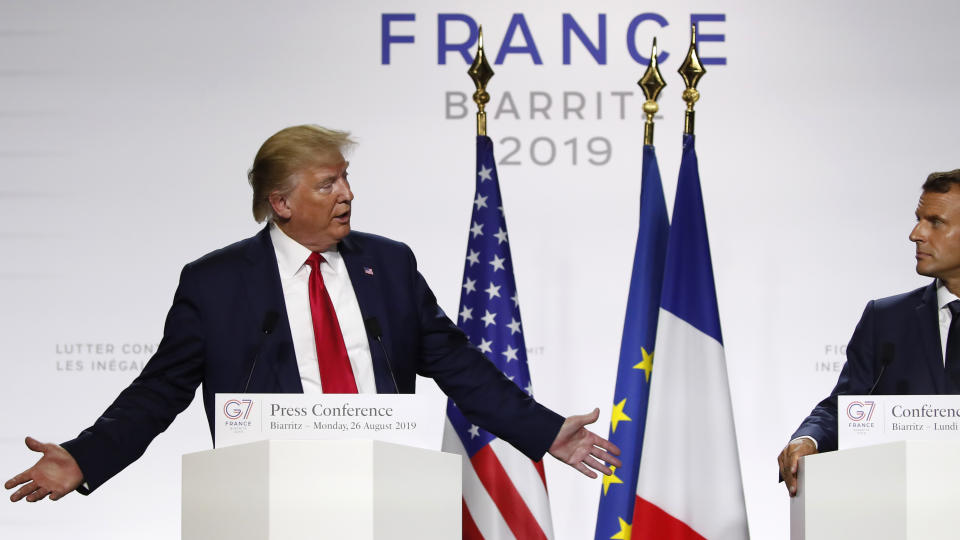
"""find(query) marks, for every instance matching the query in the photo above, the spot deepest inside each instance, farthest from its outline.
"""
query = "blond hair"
(286, 153)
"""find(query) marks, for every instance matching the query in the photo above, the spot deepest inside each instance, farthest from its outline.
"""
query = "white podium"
(906, 490)
(287, 489)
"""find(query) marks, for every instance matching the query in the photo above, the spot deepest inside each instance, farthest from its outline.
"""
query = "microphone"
(886, 357)
(269, 323)
(373, 328)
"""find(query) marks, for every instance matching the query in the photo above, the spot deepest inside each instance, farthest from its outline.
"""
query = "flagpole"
(652, 84)
(691, 70)
(689, 481)
(632, 389)
(504, 491)
(481, 72)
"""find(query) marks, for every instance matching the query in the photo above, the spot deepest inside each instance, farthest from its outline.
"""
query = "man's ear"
(280, 205)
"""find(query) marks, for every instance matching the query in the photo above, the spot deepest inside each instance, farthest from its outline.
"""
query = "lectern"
(905, 490)
(292, 489)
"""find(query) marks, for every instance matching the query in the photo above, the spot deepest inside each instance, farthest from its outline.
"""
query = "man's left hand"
(583, 450)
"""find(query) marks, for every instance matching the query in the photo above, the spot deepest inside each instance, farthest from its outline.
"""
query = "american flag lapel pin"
(368, 270)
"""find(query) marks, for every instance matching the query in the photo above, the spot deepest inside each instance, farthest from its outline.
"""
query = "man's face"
(937, 235)
(316, 213)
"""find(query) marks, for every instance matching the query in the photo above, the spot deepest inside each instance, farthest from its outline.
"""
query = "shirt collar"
(944, 296)
(292, 256)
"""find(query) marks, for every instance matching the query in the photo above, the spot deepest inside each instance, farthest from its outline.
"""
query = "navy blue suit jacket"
(910, 322)
(213, 332)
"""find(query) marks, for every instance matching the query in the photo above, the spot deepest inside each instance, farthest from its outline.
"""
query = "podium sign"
(869, 420)
(396, 418)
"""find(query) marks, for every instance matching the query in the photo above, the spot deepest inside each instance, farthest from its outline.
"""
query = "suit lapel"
(926, 312)
(364, 276)
(277, 359)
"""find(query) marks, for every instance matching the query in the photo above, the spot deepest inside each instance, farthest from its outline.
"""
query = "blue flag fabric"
(489, 307)
(689, 291)
(636, 354)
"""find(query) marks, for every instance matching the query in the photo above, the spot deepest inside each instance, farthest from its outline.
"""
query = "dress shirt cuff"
(800, 438)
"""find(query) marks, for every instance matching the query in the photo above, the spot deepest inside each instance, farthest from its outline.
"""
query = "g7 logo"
(236, 408)
(861, 411)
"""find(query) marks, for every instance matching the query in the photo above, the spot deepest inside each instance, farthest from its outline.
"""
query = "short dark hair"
(940, 182)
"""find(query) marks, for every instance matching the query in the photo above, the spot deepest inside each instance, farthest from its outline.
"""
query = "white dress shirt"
(294, 278)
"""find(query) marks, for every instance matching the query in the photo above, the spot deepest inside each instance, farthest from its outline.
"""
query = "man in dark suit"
(901, 344)
(290, 310)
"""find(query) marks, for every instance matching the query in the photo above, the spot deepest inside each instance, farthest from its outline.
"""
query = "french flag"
(689, 485)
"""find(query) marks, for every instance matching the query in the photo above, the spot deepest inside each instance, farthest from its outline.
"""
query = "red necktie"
(336, 375)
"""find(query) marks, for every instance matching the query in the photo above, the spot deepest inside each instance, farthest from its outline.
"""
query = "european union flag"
(629, 416)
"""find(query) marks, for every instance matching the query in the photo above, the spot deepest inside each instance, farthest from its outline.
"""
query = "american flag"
(504, 492)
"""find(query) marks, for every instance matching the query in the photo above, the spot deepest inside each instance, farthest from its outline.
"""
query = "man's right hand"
(55, 474)
(582, 449)
(789, 459)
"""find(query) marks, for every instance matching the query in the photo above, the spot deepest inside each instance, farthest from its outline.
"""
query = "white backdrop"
(128, 128)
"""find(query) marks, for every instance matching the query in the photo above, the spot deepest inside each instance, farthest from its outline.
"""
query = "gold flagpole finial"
(481, 72)
(691, 70)
(652, 84)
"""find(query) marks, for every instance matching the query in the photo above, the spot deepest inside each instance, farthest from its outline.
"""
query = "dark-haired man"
(315, 282)
(913, 333)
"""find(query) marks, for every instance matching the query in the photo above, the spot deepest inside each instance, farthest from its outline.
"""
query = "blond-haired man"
(288, 311)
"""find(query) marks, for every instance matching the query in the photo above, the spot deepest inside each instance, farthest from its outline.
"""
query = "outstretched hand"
(582, 449)
(55, 474)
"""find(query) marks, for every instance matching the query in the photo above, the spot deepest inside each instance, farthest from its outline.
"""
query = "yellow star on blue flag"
(611, 479)
(616, 415)
(647, 364)
(624, 533)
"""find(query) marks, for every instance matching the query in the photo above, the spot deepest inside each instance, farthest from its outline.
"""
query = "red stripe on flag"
(470, 530)
(543, 476)
(650, 521)
(508, 500)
